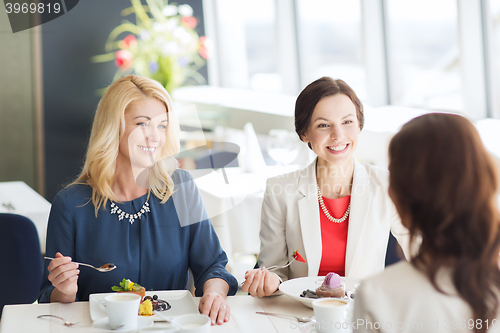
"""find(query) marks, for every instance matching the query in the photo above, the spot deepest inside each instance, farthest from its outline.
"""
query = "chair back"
(20, 261)
(394, 252)
(217, 160)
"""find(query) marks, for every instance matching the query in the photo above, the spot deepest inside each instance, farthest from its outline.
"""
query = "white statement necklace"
(327, 213)
(131, 217)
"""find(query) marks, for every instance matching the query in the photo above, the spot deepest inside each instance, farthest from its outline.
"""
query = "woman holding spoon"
(336, 212)
(131, 206)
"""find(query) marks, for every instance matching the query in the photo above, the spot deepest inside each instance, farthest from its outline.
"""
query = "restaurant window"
(495, 60)
(330, 41)
(423, 54)
(262, 53)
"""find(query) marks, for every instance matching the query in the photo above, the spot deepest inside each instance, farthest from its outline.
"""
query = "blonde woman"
(131, 206)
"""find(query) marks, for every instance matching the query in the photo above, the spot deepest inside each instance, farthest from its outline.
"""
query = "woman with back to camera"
(131, 206)
(444, 185)
(336, 212)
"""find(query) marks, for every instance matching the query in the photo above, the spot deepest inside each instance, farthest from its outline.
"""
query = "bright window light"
(423, 53)
(330, 41)
(495, 63)
(262, 53)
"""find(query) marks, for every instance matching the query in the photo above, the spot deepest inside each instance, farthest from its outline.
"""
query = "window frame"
(475, 39)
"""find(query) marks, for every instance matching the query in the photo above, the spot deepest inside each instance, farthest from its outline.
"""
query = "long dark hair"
(314, 92)
(444, 184)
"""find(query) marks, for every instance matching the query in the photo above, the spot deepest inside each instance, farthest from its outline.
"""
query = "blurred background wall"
(69, 92)
(402, 57)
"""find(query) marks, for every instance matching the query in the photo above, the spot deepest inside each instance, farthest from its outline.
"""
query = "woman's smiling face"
(145, 133)
(334, 129)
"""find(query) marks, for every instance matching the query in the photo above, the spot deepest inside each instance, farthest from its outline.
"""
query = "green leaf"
(124, 284)
(103, 57)
(141, 13)
(117, 31)
(116, 288)
(155, 11)
(131, 10)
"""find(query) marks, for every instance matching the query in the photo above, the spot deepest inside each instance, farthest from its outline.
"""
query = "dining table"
(244, 319)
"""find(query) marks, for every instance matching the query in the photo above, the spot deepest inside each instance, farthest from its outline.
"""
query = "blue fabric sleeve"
(207, 259)
(60, 235)
(155, 251)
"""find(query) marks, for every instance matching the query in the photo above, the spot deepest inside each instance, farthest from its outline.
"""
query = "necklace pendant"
(327, 213)
(131, 217)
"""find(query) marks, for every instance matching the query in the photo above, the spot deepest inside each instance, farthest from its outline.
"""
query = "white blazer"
(403, 300)
(290, 221)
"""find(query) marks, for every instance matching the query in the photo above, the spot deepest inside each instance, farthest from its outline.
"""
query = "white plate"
(142, 322)
(294, 287)
(182, 302)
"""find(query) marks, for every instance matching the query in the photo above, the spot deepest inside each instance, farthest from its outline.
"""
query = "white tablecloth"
(19, 198)
(23, 318)
(234, 207)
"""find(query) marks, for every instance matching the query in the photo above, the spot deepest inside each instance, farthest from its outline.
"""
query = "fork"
(66, 323)
(274, 267)
(104, 268)
(299, 319)
(278, 266)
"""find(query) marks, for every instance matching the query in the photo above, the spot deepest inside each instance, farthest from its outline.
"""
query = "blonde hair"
(107, 130)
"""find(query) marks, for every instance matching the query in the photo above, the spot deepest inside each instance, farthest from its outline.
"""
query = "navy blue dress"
(155, 251)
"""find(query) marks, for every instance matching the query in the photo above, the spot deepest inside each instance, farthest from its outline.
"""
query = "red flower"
(128, 41)
(189, 21)
(124, 59)
(204, 47)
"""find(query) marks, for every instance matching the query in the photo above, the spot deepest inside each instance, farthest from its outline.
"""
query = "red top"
(333, 236)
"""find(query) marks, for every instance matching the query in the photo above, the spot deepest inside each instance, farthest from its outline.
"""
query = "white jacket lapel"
(309, 218)
(361, 196)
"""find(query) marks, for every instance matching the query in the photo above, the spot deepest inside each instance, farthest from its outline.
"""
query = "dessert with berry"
(153, 303)
(331, 287)
(127, 286)
(146, 307)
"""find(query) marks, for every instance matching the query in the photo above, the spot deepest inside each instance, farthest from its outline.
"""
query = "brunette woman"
(336, 212)
(444, 185)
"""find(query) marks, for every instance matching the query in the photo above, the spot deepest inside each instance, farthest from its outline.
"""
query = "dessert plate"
(182, 302)
(294, 287)
(142, 322)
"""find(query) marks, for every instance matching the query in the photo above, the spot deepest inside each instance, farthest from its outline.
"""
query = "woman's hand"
(213, 302)
(64, 276)
(260, 282)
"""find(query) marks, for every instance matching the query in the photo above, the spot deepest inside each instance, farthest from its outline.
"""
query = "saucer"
(142, 322)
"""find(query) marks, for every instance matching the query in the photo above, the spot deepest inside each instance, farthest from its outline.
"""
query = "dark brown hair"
(314, 92)
(444, 185)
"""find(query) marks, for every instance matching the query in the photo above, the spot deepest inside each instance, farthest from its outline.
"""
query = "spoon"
(66, 323)
(104, 268)
(168, 320)
(299, 319)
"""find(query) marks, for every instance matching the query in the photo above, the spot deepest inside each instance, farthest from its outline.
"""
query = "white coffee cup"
(331, 315)
(192, 323)
(122, 309)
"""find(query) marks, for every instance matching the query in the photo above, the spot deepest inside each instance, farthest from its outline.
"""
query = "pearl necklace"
(325, 211)
(131, 217)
